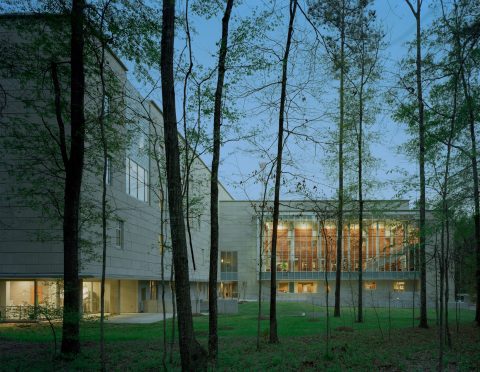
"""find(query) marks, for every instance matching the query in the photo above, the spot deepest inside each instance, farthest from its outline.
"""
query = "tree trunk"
(260, 254)
(104, 198)
(73, 183)
(360, 205)
(217, 117)
(421, 134)
(338, 274)
(278, 174)
(193, 356)
(441, 307)
(421, 126)
(476, 200)
(160, 170)
(446, 212)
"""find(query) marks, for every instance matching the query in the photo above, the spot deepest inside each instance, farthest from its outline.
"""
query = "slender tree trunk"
(421, 125)
(338, 274)
(360, 205)
(447, 286)
(476, 199)
(446, 211)
(278, 175)
(327, 289)
(103, 363)
(421, 133)
(160, 170)
(217, 118)
(193, 356)
(260, 254)
(174, 310)
(73, 183)
(435, 260)
(185, 131)
(441, 308)
(162, 277)
(260, 262)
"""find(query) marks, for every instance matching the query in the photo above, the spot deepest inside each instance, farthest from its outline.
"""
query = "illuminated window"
(283, 287)
(306, 288)
(228, 262)
(399, 286)
(370, 285)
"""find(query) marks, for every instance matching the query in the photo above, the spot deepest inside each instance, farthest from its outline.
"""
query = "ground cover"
(382, 342)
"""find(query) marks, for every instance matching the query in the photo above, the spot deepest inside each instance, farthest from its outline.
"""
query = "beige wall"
(128, 296)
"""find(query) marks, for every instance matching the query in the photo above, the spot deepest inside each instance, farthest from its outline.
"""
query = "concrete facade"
(31, 248)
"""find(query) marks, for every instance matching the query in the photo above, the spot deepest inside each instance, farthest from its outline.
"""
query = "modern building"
(31, 184)
(306, 252)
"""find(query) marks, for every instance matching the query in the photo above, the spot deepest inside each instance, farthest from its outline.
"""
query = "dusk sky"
(320, 103)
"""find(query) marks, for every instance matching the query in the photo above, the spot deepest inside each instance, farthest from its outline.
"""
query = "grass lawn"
(380, 343)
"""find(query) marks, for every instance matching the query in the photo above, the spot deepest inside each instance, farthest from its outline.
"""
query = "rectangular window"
(108, 174)
(106, 104)
(228, 262)
(370, 285)
(283, 287)
(119, 234)
(136, 180)
(399, 286)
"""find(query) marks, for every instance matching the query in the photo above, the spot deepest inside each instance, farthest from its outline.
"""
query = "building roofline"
(58, 15)
(319, 201)
(118, 60)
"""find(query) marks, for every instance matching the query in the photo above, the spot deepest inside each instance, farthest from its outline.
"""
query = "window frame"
(120, 234)
(135, 186)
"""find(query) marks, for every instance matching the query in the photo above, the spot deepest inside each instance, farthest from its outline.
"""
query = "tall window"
(228, 262)
(153, 289)
(108, 173)
(137, 180)
(106, 104)
(119, 234)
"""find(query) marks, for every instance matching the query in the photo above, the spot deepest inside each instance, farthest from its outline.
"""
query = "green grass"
(377, 343)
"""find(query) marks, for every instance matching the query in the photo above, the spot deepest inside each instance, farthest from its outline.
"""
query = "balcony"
(229, 276)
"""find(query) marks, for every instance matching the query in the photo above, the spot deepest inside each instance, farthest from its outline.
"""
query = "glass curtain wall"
(305, 245)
